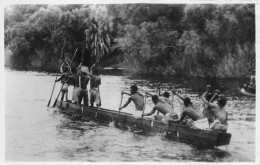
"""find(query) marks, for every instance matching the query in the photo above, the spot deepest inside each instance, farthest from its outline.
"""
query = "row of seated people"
(213, 117)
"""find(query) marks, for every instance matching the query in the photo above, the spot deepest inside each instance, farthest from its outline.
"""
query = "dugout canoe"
(202, 138)
(248, 92)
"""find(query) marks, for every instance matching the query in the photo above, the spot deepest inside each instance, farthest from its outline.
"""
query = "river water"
(34, 132)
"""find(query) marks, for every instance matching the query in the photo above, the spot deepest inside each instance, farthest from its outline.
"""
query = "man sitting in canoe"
(166, 96)
(207, 98)
(162, 106)
(220, 115)
(199, 120)
(95, 81)
(161, 101)
(137, 98)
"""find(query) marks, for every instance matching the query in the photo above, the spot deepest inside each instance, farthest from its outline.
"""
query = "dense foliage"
(192, 40)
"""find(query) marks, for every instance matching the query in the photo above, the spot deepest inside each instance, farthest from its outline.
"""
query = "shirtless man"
(83, 82)
(95, 81)
(208, 98)
(164, 99)
(63, 78)
(220, 115)
(162, 106)
(136, 97)
(73, 81)
(80, 81)
(166, 96)
(199, 120)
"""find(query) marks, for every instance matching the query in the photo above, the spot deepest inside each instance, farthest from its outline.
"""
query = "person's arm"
(125, 93)
(214, 96)
(99, 81)
(178, 99)
(212, 125)
(172, 98)
(150, 113)
(181, 118)
(62, 76)
(212, 105)
(148, 93)
(61, 67)
(203, 97)
(227, 116)
(177, 95)
(126, 104)
(159, 89)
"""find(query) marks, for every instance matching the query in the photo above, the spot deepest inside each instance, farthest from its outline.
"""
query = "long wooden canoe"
(198, 137)
(246, 92)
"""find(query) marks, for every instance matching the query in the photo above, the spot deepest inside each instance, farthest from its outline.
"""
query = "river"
(34, 132)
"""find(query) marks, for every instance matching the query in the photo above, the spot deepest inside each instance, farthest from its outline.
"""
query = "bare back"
(84, 81)
(220, 114)
(193, 112)
(138, 100)
(95, 81)
(163, 106)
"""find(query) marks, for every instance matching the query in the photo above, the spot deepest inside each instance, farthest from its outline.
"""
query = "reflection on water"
(35, 133)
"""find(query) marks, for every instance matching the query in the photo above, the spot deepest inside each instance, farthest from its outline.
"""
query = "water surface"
(36, 133)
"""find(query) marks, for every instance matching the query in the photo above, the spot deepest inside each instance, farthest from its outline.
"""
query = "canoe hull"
(245, 92)
(172, 131)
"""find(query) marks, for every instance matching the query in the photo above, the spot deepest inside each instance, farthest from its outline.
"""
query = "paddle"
(64, 82)
(99, 95)
(143, 112)
(56, 75)
(119, 109)
(53, 86)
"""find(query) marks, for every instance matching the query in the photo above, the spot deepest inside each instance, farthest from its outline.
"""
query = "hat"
(84, 70)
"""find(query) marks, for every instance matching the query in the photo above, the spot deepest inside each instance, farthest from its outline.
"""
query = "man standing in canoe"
(136, 97)
(95, 81)
(162, 106)
(73, 81)
(84, 78)
(80, 81)
(63, 78)
(199, 119)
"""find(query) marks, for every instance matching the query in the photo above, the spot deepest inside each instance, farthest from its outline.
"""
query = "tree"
(98, 39)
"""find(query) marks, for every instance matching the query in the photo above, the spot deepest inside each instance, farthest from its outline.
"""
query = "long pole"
(56, 74)
(143, 112)
(53, 86)
(64, 82)
(119, 109)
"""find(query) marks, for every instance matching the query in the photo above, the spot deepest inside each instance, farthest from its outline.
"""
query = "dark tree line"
(192, 40)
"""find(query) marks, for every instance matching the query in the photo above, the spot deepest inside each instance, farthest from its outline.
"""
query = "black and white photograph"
(129, 82)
